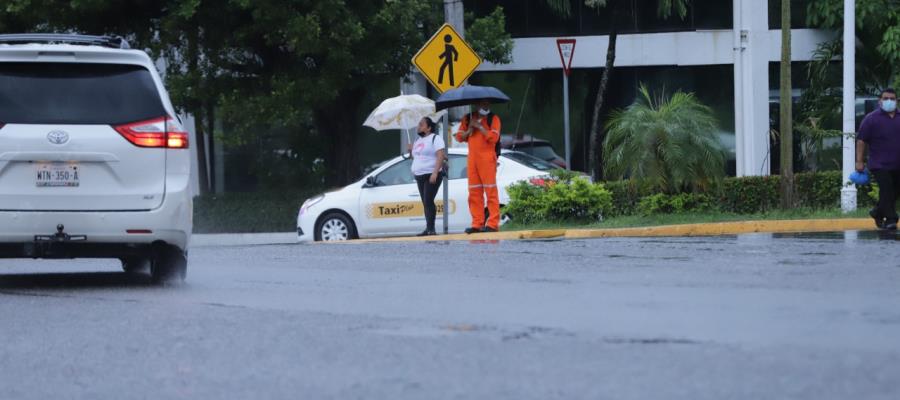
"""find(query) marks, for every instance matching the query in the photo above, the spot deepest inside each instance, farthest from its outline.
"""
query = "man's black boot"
(879, 222)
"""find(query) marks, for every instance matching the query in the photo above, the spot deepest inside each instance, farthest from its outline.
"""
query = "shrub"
(247, 212)
(749, 195)
(563, 196)
(626, 195)
(819, 189)
(662, 203)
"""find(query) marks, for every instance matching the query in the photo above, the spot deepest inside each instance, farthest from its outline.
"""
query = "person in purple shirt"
(880, 134)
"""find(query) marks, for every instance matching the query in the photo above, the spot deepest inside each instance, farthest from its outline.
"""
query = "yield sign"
(446, 60)
(566, 53)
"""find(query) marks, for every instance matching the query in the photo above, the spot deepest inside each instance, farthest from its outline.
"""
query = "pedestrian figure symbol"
(447, 61)
(450, 55)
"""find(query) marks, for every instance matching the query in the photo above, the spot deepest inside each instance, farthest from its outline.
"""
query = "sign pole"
(566, 49)
(447, 141)
(566, 118)
(447, 61)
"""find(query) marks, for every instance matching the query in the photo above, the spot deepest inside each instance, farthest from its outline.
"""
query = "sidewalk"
(242, 239)
(707, 229)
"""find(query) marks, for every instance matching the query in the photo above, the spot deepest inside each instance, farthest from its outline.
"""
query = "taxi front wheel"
(335, 227)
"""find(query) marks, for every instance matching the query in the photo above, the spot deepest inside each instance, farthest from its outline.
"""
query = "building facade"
(725, 51)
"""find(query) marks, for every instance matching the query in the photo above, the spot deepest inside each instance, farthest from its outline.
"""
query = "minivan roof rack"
(115, 42)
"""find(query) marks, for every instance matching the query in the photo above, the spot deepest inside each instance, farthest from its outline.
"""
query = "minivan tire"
(134, 265)
(168, 265)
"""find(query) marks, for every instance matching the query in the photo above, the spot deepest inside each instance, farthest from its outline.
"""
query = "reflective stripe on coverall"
(482, 170)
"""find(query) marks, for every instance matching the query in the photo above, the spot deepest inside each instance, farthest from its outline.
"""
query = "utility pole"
(848, 192)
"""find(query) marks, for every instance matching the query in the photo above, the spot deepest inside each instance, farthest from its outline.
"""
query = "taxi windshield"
(530, 161)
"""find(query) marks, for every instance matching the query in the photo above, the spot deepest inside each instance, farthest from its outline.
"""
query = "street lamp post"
(848, 192)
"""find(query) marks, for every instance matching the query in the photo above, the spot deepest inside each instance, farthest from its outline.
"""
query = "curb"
(686, 230)
(242, 239)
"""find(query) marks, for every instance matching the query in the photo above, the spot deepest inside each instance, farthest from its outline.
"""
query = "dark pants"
(428, 191)
(888, 188)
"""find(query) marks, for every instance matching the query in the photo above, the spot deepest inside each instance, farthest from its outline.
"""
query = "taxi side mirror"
(370, 182)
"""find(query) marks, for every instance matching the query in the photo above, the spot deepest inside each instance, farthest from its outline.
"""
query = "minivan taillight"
(162, 132)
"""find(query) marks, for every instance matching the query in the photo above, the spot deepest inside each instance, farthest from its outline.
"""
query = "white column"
(848, 193)
(751, 84)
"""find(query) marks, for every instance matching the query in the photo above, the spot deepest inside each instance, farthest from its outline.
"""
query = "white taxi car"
(386, 201)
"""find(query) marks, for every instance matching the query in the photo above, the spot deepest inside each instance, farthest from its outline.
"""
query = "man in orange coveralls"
(481, 130)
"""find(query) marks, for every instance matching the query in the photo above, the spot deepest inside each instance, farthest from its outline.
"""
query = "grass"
(691, 218)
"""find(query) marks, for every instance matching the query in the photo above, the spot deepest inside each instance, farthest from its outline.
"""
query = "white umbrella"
(402, 112)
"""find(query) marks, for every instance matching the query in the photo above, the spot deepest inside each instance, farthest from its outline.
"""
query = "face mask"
(889, 105)
(484, 111)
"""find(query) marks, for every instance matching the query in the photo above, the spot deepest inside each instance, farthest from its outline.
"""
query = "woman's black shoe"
(470, 231)
(425, 233)
(879, 222)
(489, 229)
(431, 233)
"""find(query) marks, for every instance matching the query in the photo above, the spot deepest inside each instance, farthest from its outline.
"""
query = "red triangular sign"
(566, 53)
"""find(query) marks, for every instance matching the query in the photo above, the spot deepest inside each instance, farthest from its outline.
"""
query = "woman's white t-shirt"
(425, 154)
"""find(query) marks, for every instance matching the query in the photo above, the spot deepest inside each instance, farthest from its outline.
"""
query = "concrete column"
(751, 88)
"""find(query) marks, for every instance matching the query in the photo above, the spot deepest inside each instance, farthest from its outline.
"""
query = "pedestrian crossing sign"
(446, 60)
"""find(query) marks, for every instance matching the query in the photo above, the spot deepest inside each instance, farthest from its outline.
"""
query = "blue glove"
(860, 178)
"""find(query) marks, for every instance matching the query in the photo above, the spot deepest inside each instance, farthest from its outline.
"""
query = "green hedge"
(277, 211)
(745, 195)
(247, 212)
(563, 196)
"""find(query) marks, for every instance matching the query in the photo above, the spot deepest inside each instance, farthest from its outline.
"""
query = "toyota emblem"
(58, 137)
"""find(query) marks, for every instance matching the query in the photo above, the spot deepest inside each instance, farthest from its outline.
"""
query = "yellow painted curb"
(509, 235)
(728, 228)
(706, 229)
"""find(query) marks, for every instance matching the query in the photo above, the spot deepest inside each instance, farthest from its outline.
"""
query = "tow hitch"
(60, 236)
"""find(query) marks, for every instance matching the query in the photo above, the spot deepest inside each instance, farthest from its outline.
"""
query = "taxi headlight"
(311, 202)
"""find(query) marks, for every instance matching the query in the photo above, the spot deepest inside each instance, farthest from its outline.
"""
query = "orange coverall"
(482, 169)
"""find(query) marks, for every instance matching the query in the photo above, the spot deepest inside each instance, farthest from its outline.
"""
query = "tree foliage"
(669, 142)
(301, 66)
(877, 43)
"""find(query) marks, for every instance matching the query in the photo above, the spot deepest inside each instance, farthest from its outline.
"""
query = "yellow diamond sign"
(446, 60)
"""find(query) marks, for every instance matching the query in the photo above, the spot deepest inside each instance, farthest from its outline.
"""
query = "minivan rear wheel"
(168, 265)
(134, 265)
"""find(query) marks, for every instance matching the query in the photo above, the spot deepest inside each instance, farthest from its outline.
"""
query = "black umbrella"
(469, 94)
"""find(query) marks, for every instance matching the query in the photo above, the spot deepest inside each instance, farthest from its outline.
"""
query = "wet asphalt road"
(750, 317)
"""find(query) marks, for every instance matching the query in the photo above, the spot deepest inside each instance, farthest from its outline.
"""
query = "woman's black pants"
(428, 191)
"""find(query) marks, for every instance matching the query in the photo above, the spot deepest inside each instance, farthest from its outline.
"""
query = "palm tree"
(670, 142)
(664, 8)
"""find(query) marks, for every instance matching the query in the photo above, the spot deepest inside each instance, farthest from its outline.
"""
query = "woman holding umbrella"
(428, 154)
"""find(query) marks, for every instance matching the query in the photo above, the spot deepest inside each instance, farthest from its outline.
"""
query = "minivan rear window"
(77, 93)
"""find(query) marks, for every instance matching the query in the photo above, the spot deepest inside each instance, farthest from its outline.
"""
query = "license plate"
(57, 175)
